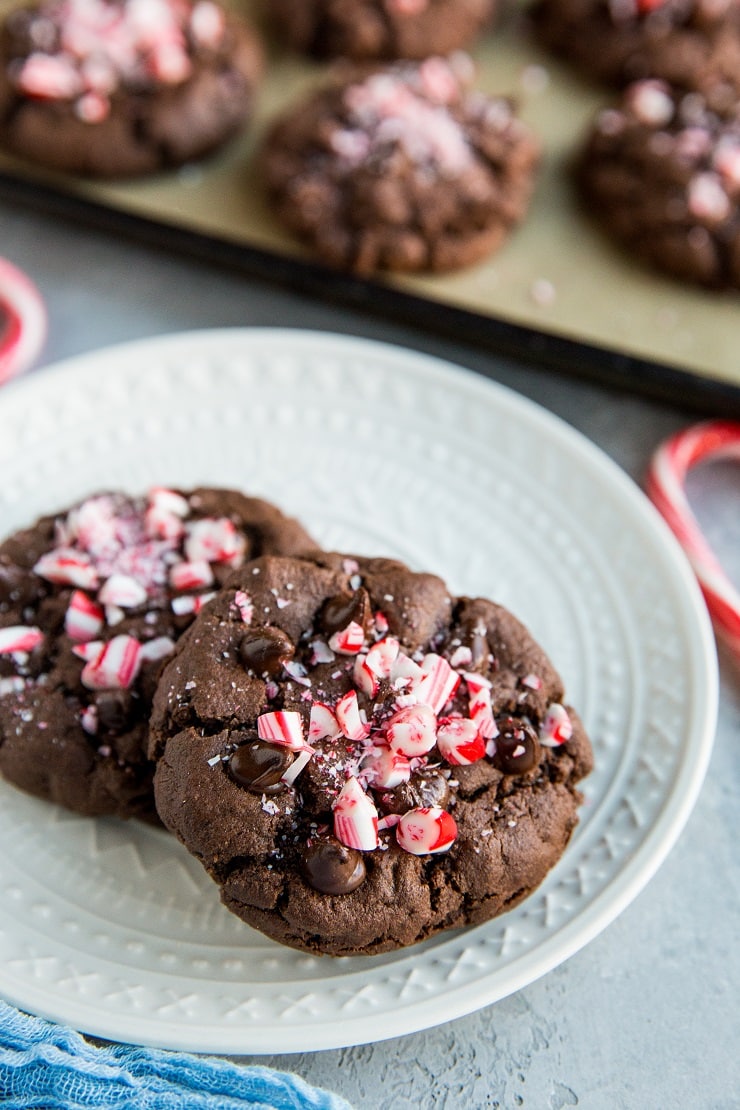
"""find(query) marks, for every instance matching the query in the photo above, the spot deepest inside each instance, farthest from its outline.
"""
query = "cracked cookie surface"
(91, 601)
(361, 760)
(116, 88)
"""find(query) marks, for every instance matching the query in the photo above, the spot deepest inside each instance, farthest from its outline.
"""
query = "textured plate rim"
(602, 909)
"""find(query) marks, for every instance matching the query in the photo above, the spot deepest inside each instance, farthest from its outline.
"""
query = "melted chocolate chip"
(265, 650)
(332, 868)
(259, 766)
(517, 746)
(339, 611)
(114, 710)
(425, 788)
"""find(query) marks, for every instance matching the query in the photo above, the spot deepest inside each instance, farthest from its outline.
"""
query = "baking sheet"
(558, 290)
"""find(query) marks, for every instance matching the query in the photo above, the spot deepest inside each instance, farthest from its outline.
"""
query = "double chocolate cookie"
(402, 168)
(381, 29)
(694, 44)
(122, 87)
(91, 602)
(361, 760)
(661, 170)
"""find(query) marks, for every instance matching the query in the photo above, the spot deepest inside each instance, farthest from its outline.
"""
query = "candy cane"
(666, 482)
(23, 321)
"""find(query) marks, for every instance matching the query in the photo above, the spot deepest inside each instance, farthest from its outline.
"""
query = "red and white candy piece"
(190, 603)
(355, 818)
(363, 677)
(215, 540)
(122, 590)
(426, 831)
(23, 321)
(460, 741)
(556, 727)
(351, 719)
(191, 575)
(158, 648)
(115, 666)
(349, 640)
(168, 501)
(322, 723)
(437, 683)
(84, 618)
(385, 769)
(479, 703)
(412, 731)
(666, 487)
(19, 637)
(67, 567)
(282, 727)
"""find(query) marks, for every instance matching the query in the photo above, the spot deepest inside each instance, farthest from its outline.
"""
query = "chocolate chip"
(259, 766)
(265, 650)
(332, 868)
(114, 710)
(425, 788)
(517, 746)
(341, 610)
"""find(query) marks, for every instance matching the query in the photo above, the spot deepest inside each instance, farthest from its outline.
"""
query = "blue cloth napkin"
(45, 1065)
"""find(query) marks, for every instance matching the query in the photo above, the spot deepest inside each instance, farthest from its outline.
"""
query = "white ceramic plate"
(111, 927)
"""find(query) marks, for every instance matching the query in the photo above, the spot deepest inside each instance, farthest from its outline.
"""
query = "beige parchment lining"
(557, 273)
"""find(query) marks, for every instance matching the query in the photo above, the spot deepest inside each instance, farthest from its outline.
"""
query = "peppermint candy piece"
(115, 667)
(122, 590)
(158, 648)
(84, 618)
(355, 818)
(385, 769)
(282, 727)
(349, 640)
(322, 723)
(215, 540)
(556, 727)
(363, 677)
(460, 741)
(67, 567)
(381, 656)
(351, 720)
(190, 603)
(426, 831)
(412, 731)
(19, 637)
(244, 605)
(167, 501)
(191, 575)
(437, 683)
(479, 703)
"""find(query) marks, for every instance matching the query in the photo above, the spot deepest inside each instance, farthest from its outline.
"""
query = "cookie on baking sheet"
(401, 168)
(694, 44)
(91, 601)
(381, 29)
(361, 760)
(661, 171)
(115, 88)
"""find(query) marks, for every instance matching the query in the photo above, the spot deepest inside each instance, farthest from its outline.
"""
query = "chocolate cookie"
(91, 601)
(400, 169)
(662, 172)
(694, 44)
(114, 88)
(381, 29)
(361, 760)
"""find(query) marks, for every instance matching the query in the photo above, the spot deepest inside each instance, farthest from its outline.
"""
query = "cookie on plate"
(361, 760)
(115, 88)
(402, 168)
(661, 171)
(694, 44)
(91, 601)
(381, 29)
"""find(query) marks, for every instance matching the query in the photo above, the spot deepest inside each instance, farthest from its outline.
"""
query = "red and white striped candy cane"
(23, 321)
(666, 487)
